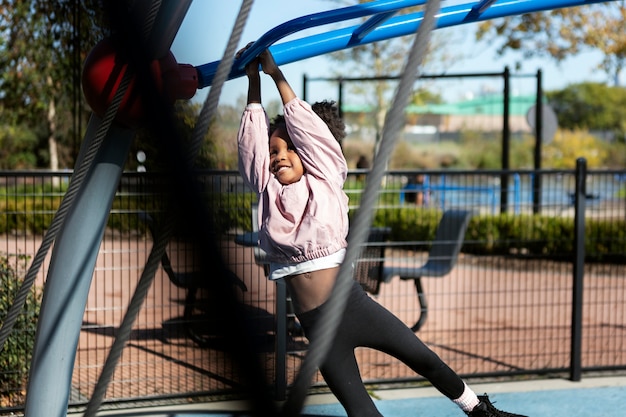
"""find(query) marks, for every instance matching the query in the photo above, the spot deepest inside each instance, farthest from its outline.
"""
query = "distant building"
(433, 122)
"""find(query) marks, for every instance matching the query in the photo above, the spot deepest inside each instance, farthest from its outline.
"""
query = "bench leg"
(193, 322)
(421, 298)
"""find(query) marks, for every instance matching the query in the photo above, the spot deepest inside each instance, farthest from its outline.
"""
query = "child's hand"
(267, 63)
(252, 68)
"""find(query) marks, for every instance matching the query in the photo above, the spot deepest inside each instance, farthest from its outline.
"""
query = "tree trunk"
(52, 143)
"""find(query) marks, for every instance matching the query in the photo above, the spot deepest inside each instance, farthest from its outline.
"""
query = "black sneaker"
(486, 409)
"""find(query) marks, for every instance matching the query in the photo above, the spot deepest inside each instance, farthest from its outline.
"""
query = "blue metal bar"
(306, 22)
(477, 10)
(360, 32)
(336, 40)
(483, 5)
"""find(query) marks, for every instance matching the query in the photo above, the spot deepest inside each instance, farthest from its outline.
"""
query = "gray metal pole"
(70, 274)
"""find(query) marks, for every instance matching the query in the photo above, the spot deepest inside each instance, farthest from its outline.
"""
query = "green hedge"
(506, 234)
(32, 212)
(17, 351)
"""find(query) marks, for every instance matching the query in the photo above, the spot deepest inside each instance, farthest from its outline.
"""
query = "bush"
(527, 235)
(16, 354)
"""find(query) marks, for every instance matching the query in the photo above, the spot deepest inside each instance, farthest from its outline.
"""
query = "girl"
(303, 215)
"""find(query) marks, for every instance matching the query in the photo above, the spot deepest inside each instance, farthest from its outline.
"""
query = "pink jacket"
(308, 219)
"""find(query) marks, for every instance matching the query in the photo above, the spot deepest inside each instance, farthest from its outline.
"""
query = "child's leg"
(341, 373)
(340, 369)
(378, 328)
(367, 323)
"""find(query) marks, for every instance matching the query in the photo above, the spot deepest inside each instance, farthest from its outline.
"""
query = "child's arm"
(254, 88)
(318, 149)
(253, 133)
(254, 78)
(270, 68)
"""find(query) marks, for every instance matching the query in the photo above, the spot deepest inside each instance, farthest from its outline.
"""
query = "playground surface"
(593, 396)
(171, 358)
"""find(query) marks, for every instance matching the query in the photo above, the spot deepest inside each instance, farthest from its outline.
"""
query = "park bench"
(193, 280)
(442, 257)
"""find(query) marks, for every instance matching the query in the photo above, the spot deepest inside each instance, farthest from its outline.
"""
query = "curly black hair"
(327, 111)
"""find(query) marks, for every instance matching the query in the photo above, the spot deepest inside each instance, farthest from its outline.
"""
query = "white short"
(278, 270)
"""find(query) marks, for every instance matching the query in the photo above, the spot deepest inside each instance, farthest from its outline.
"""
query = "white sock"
(468, 400)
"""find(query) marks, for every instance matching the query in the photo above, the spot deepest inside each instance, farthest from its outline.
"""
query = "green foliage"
(482, 151)
(218, 149)
(18, 147)
(534, 236)
(424, 96)
(410, 223)
(593, 106)
(568, 146)
(526, 234)
(17, 352)
(406, 156)
(42, 48)
(605, 242)
(232, 211)
(561, 33)
(506, 234)
(25, 213)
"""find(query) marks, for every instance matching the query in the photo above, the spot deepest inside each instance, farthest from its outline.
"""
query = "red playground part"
(102, 75)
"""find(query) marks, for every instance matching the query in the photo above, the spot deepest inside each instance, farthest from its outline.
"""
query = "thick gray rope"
(76, 182)
(209, 108)
(159, 246)
(359, 230)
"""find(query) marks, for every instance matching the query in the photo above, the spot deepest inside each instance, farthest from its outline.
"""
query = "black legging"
(368, 324)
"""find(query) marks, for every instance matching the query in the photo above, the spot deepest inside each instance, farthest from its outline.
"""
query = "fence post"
(280, 375)
(536, 190)
(305, 80)
(506, 141)
(578, 270)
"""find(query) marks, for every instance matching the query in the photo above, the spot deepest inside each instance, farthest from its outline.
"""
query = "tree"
(423, 96)
(561, 33)
(591, 106)
(18, 146)
(219, 145)
(381, 59)
(42, 46)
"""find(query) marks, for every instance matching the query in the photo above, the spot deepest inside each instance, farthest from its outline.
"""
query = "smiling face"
(285, 163)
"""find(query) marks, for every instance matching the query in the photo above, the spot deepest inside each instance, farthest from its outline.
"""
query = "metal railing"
(524, 301)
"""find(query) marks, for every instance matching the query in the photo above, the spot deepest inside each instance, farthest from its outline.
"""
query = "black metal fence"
(539, 287)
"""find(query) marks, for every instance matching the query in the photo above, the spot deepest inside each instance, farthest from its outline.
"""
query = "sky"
(204, 33)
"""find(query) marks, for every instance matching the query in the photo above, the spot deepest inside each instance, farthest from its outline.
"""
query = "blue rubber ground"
(588, 402)
(534, 399)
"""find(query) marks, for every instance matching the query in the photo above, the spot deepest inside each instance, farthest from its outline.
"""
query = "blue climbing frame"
(382, 24)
